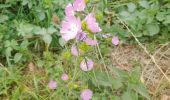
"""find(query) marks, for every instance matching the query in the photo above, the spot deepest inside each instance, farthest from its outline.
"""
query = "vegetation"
(37, 63)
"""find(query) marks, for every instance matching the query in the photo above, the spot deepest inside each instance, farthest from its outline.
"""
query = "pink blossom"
(92, 24)
(69, 10)
(86, 65)
(52, 84)
(115, 40)
(74, 50)
(81, 36)
(64, 77)
(86, 94)
(79, 5)
(90, 42)
(70, 27)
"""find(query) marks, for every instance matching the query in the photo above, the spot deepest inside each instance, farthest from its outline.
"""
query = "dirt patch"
(126, 57)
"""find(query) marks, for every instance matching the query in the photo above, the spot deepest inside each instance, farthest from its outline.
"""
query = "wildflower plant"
(79, 27)
(35, 38)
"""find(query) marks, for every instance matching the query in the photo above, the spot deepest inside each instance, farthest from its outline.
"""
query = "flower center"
(73, 27)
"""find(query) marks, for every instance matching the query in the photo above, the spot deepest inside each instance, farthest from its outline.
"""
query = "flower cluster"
(80, 26)
(71, 28)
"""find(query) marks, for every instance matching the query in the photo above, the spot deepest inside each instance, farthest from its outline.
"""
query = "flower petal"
(92, 24)
(79, 5)
(70, 27)
(81, 36)
(90, 42)
(64, 77)
(115, 40)
(74, 50)
(86, 94)
(86, 65)
(52, 84)
(69, 10)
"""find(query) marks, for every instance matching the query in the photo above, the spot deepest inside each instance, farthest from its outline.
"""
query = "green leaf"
(144, 3)
(131, 7)
(62, 42)
(160, 16)
(8, 51)
(41, 16)
(40, 31)
(126, 96)
(25, 29)
(102, 79)
(152, 29)
(124, 14)
(3, 18)
(51, 30)
(117, 83)
(24, 2)
(17, 57)
(47, 38)
(141, 89)
(167, 19)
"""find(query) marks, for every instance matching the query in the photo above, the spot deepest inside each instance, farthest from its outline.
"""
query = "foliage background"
(29, 34)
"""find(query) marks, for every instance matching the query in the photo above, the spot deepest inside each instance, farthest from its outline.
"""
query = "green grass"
(30, 56)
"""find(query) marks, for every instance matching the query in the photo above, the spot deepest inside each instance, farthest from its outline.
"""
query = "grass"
(130, 71)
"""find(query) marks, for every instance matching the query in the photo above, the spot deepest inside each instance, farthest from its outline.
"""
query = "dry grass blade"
(146, 51)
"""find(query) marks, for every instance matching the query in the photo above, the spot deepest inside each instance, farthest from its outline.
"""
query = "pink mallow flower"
(81, 36)
(90, 42)
(74, 50)
(52, 84)
(92, 24)
(64, 77)
(79, 5)
(115, 40)
(70, 27)
(69, 10)
(86, 94)
(86, 65)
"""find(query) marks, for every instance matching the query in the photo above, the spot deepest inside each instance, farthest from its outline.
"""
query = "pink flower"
(79, 5)
(92, 24)
(81, 36)
(70, 27)
(64, 77)
(115, 40)
(90, 42)
(69, 10)
(74, 50)
(86, 94)
(86, 65)
(52, 84)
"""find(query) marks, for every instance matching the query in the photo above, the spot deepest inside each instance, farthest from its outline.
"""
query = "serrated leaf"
(17, 57)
